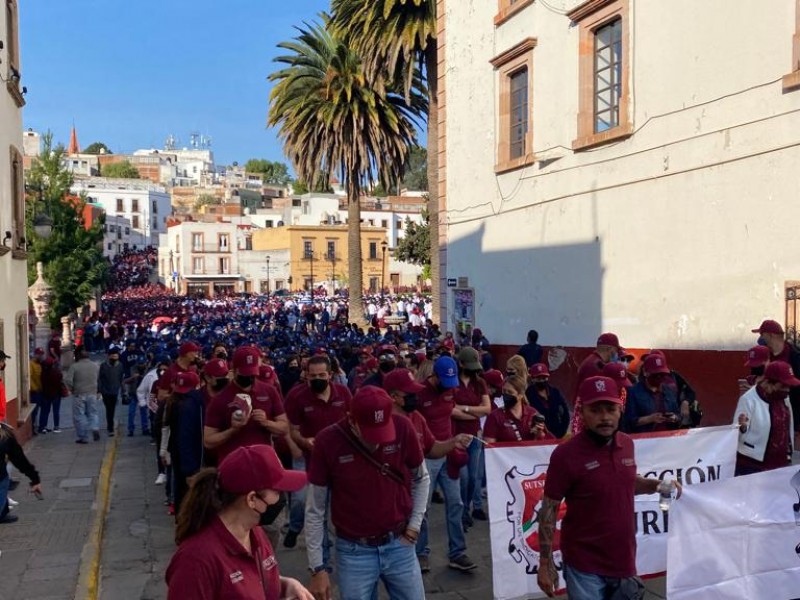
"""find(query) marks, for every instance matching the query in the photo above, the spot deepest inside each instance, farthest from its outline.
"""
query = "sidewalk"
(41, 553)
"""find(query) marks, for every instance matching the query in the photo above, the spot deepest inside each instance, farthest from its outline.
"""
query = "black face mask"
(387, 367)
(293, 369)
(473, 372)
(410, 403)
(245, 381)
(318, 385)
(541, 385)
(509, 401)
(757, 371)
(223, 355)
(113, 361)
(219, 384)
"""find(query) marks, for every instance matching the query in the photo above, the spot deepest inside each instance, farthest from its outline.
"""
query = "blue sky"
(131, 73)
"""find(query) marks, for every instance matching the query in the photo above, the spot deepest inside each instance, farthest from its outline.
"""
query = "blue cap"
(446, 371)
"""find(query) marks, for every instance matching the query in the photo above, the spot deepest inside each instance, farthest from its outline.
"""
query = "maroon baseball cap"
(402, 380)
(186, 381)
(494, 378)
(253, 468)
(266, 372)
(757, 356)
(782, 373)
(217, 368)
(539, 370)
(188, 347)
(608, 339)
(245, 360)
(618, 373)
(38, 352)
(371, 409)
(598, 389)
(655, 363)
(769, 326)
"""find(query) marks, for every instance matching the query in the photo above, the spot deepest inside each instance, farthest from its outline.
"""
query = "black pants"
(110, 402)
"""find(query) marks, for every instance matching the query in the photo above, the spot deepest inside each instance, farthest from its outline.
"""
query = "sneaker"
(11, 502)
(479, 515)
(437, 498)
(42, 431)
(424, 563)
(57, 430)
(81, 441)
(9, 518)
(96, 435)
(110, 434)
(462, 563)
(161, 479)
(290, 541)
(49, 430)
(171, 510)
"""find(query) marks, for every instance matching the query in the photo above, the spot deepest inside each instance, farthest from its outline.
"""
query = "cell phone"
(538, 418)
(669, 415)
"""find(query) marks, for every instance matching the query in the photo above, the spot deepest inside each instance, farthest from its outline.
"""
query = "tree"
(97, 148)
(398, 35)
(336, 118)
(321, 186)
(72, 256)
(275, 173)
(415, 246)
(206, 200)
(416, 177)
(120, 170)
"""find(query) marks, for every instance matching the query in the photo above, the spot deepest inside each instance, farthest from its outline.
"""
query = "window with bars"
(607, 75)
(519, 113)
(308, 249)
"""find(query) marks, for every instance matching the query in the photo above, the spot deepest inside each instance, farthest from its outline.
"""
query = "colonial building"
(13, 255)
(610, 165)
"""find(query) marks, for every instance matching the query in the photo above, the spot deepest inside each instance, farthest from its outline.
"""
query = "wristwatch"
(315, 570)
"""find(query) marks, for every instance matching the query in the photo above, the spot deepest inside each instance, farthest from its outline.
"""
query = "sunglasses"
(511, 373)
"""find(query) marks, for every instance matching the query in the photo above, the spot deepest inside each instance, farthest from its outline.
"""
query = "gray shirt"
(109, 379)
(81, 378)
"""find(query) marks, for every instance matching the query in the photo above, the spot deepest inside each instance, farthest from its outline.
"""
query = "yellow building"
(319, 254)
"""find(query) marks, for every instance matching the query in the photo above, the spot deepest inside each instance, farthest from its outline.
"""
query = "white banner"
(515, 476)
(738, 538)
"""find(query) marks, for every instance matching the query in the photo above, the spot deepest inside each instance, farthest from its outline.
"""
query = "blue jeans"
(4, 483)
(586, 586)
(144, 417)
(84, 415)
(297, 507)
(454, 509)
(48, 403)
(471, 478)
(359, 568)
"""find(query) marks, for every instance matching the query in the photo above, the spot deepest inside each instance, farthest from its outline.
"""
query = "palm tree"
(399, 36)
(335, 118)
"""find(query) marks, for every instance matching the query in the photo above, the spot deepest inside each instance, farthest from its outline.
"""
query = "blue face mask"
(614, 357)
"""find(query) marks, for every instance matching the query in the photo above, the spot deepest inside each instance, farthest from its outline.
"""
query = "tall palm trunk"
(354, 265)
(432, 69)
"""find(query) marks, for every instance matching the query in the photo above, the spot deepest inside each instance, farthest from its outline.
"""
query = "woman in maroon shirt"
(517, 421)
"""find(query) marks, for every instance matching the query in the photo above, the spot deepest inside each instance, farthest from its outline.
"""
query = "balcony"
(210, 249)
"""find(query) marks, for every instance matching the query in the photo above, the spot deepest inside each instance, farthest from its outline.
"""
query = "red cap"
(254, 468)
(655, 363)
(386, 350)
(494, 378)
(757, 356)
(245, 360)
(401, 380)
(38, 352)
(769, 326)
(371, 363)
(608, 339)
(216, 368)
(321, 352)
(266, 373)
(186, 381)
(618, 373)
(598, 389)
(371, 408)
(539, 370)
(187, 347)
(782, 373)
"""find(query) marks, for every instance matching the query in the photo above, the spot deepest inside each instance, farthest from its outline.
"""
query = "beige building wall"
(13, 255)
(679, 233)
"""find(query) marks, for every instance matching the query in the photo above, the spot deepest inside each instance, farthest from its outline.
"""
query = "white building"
(13, 254)
(145, 204)
(118, 235)
(253, 266)
(31, 143)
(623, 166)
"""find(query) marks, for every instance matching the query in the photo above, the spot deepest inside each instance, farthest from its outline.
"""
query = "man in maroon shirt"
(311, 406)
(595, 472)
(187, 357)
(607, 350)
(370, 470)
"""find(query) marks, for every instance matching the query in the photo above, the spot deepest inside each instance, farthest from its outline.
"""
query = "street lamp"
(267, 275)
(383, 268)
(42, 222)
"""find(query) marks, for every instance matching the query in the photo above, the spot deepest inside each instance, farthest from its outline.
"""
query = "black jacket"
(11, 450)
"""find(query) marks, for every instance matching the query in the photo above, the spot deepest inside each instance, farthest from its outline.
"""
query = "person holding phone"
(517, 421)
(652, 405)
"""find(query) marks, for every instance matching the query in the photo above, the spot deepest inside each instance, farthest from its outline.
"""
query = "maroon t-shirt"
(438, 410)
(169, 375)
(502, 426)
(591, 366)
(221, 408)
(213, 564)
(424, 435)
(306, 411)
(469, 395)
(364, 502)
(598, 534)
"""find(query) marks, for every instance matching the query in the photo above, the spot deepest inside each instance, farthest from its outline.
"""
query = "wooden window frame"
(589, 17)
(17, 173)
(791, 81)
(508, 63)
(507, 9)
(12, 52)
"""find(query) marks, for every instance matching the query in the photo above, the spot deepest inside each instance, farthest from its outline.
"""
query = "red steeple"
(73, 142)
